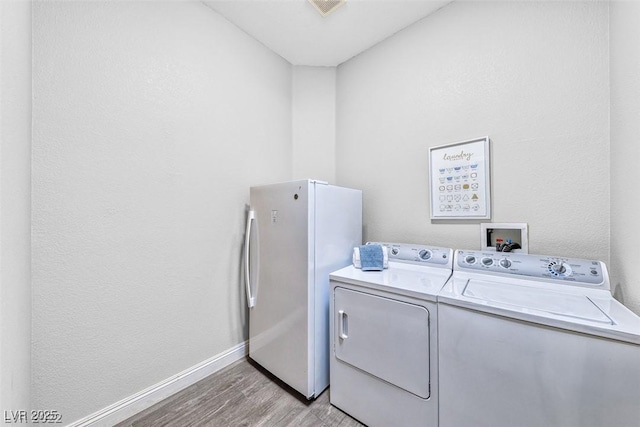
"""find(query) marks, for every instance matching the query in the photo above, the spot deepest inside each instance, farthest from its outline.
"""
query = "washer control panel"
(556, 268)
(418, 254)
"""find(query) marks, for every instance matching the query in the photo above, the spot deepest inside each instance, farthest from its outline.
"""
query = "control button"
(594, 272)
(487, 261)
(395, 251)
(424, 254)
(470, 259)
(505, 263)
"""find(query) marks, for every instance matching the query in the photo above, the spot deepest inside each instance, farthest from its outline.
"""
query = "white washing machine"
(384, 343)
(530, 340)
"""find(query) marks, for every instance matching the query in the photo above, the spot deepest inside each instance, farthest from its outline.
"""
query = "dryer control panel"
(418, 254)
(582, 271)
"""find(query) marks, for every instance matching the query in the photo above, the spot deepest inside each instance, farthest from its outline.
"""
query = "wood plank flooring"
(242, 394)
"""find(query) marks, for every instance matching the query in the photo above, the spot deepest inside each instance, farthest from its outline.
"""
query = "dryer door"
(383, 337)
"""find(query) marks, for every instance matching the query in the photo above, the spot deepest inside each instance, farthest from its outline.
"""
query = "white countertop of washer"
(419, 281)
(578, 309)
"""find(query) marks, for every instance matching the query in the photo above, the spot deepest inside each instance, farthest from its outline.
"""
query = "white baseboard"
(146, 398)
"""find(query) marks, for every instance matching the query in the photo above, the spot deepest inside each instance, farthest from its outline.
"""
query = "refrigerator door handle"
(247, 274)
(342, 325)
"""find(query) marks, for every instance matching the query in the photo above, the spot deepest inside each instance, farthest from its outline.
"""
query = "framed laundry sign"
(460, 180)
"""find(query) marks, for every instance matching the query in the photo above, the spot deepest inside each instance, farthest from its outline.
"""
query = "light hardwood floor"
(242, 394)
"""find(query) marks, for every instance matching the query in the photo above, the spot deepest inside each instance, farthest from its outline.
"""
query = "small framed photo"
(459, 176)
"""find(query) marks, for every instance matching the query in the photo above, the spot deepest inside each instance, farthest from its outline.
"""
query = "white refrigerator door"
(279, 325)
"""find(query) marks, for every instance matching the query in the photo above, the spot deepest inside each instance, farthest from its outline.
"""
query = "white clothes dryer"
(531, 340)
(384, 337)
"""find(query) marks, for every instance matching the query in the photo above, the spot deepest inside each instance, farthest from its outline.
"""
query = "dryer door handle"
(343, 325)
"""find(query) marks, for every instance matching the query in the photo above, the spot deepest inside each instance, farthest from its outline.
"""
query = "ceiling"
(296, 31)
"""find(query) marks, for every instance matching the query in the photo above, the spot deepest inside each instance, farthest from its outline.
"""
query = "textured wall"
(151, 121)
(531, 75)
(15, 205)
(625, 150)
(314, 123)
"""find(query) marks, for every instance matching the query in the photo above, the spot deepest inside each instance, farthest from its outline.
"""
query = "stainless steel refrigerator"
(297, 233)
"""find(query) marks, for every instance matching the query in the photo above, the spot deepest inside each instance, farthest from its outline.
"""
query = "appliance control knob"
(470, 259)
(505, 263)
(487, 261)
(424, 254)
(559, 268)
(395, 251)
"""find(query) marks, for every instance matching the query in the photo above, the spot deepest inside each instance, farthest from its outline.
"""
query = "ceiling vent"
(325, 7)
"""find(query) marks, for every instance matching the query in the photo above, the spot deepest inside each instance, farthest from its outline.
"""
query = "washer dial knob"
(559, 269)
(470, 259)
(395, 251)
(487, 261)
(505, 263)
(424, 254)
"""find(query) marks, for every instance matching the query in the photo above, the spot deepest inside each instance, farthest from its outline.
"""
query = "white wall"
(625, 150)
(314, 123)
(151, 121)
(15, 205)
(531, 75)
